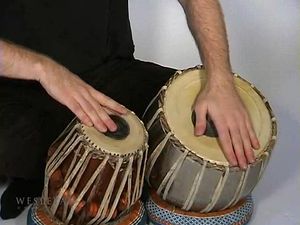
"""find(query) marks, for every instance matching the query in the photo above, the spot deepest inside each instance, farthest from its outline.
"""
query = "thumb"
(200, 126)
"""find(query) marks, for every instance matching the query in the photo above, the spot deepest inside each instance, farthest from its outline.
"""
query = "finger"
(102, 114)
(81, 115)
(92, 113)
(108, 102)
(238, 146)
(200, 120)
(110, 112)
(225, 141)
(111, 125)
(253, 137)
(247, 144)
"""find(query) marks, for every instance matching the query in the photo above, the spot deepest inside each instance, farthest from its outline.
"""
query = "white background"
(264, 42)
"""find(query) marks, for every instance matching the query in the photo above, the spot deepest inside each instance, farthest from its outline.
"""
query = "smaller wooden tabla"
(162, 213)
(192, 172)
(92, 177)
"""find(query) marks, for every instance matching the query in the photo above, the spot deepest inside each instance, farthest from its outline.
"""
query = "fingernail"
(234, 163)
(124, 109)
(197, 132)
(89, 124)
(103, 129)
(113, 128)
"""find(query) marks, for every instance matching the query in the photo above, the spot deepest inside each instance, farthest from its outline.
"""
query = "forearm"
(206, 22)
(21, 63)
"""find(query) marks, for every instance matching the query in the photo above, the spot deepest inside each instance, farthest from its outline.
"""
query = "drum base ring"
(162, 213)
(37, 215)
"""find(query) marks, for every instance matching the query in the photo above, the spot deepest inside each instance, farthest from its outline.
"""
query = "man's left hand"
(219, 99)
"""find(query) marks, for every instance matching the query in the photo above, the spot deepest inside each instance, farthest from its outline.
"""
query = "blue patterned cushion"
(161, 216)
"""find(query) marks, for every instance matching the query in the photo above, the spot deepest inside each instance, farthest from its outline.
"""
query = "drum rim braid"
(143, 147)
(213, 164)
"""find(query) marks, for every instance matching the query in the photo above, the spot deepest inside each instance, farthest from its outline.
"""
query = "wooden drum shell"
(85, 185)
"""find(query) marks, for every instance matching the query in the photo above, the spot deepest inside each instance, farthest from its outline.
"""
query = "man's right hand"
(89, 105)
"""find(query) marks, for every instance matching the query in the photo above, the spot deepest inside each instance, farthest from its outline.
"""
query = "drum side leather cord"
(242, 182)
(114, 205)
(54, 160)
(105, 201)
(84, 191)
(155, 154)
(153, 100)
(218, 191)
(170, 176)
(195, 187)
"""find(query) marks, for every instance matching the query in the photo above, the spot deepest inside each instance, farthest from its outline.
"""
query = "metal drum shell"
(237, 185)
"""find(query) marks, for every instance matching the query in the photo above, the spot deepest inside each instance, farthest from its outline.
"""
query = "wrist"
(218, 71)
(220, 76)
(43, 67)
(39, 68)
(220, 80)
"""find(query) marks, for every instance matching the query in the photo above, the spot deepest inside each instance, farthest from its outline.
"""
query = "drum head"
(178, 102)
(135, 140)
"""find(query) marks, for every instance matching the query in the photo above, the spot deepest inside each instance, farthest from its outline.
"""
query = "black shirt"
(80, 35)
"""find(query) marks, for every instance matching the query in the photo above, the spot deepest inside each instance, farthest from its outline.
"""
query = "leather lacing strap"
(195, 187)
(218, 191)
(171, 175)
(155, 154)
(85, 189)
(102, 211)
(82, 162)
(153, 100)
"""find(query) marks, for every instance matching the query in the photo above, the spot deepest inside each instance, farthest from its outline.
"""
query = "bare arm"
(205, 20)
(18, 62)
(89, 105)
(219, 97)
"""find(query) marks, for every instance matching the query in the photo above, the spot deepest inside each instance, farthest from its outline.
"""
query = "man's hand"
(220, 100)
(89, 105)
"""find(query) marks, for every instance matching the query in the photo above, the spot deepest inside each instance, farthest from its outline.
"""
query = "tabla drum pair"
(191, 172)
(94, 178)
